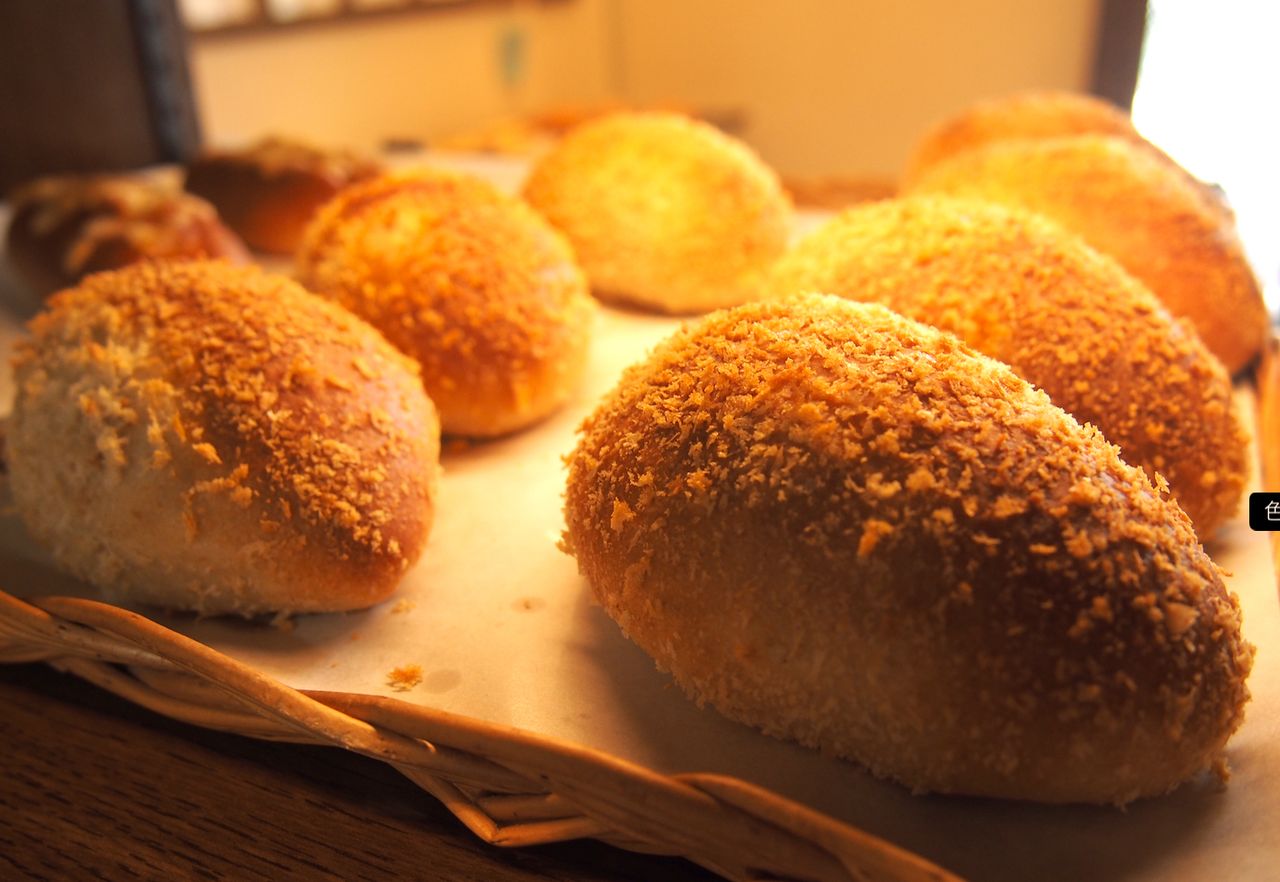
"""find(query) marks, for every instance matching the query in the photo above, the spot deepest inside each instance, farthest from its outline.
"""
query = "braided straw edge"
(509, 787)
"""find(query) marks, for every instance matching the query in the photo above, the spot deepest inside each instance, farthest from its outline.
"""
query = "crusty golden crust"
(1035, 114)
(1027, 292)
(270, 191)
(1042, 114)
(206, 437)
(1130, 205)
(67, 226)
(474, 285)
(664, 212)
(850, 529)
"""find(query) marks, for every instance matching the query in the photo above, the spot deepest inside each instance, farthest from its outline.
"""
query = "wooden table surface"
(93, 787)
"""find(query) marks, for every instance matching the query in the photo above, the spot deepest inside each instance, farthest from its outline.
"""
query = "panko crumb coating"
(849, 529)
(471, 283)
(214, 438)
(1131, 205)
(1030, 294)
(665, 213)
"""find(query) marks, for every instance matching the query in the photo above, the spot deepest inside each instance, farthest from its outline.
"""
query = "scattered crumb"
(404, 678)
(528, 604)
(284, 622)
(402, 605)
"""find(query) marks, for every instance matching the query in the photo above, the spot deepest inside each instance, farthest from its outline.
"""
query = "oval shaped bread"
(664, 212)
(269, 191)
(1129, 204)
(471, 283)
(850, 529)
(204, 437)
(1032, 295)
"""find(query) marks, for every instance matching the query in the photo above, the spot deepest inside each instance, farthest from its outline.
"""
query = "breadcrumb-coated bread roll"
(64, 227)
(664, 212)
(269, 191)
(1024, 291)
(850, 529)
(1127, 203)
(205, 437)
(471, 283)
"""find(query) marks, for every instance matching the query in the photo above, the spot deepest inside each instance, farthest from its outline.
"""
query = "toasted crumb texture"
(472, 284)
(205, 437)
(852, 530)
(664, 212)
(1026, 292)
(1129, 204)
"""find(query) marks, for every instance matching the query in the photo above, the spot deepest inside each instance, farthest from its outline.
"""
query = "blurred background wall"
(817, 86)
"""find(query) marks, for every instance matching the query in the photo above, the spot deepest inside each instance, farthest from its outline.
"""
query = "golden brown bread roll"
(1041, 114)
(471, 283)
(1026, 292)
(206, 437)
(1126, 203)
(268, 192)
(66, 226)
(664, 212)
(849, 529)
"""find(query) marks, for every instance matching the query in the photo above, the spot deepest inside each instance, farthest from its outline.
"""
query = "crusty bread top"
(299, 409)
(1129, 204)
(1031, 114)
(860, 487)
(1030, 293)
(663, 210)
(472, 283)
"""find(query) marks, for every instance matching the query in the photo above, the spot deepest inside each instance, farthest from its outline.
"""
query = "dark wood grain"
(92, 787)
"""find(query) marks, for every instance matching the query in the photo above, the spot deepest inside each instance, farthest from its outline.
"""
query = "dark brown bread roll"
(269, 192)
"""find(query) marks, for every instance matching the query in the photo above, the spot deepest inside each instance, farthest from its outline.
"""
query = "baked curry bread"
(471, 283)
(1029, 293)
(1140, 210)
(665, 213)
(849, 529)
(204, 437)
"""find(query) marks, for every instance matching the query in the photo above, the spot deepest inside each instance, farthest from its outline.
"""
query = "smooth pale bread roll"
(1028, 293)
(850, 529)
(269, 191)
(204, 437)
(1126, 202)
(664, 212)
(471, 283)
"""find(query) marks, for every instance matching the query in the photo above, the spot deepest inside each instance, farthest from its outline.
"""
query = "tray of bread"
(605, 495)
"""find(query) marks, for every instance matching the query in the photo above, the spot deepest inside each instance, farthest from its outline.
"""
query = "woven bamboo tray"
(507, 786)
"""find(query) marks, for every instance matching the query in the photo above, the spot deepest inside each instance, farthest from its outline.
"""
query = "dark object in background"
(87, 85)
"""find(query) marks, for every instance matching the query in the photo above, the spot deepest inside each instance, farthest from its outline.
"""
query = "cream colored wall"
(825, 86)
(414, 75)
(847, 85)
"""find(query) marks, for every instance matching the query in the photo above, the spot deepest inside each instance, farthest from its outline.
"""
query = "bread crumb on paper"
(405, 677)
